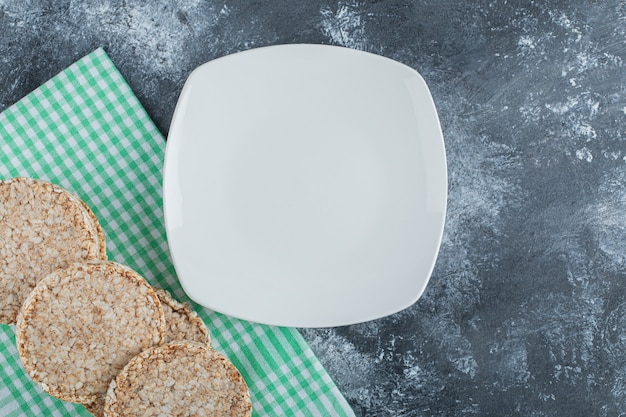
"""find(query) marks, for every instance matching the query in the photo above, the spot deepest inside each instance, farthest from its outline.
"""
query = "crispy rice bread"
(178, 379)
(181, 322)
(42, 227)
(81, 325)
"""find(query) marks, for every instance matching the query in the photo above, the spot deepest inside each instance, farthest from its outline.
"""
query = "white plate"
(305, 185)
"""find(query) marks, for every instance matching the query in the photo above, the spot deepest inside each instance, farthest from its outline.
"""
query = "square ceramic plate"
(305, 185)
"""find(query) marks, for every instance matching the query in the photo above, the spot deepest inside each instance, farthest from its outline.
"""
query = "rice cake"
(178, 379)
(181, 322)
(42, 227)
(81, 325)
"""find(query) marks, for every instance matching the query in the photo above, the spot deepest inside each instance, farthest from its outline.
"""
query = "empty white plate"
(305, 186)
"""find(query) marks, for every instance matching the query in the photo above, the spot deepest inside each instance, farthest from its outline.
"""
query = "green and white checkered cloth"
(86, 131)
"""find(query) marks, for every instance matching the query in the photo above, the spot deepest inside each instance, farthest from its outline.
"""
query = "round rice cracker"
(181, 322)
(81, 325)
(43, 227)
(178, 379)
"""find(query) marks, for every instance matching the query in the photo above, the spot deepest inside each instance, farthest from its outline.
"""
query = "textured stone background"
(525, 313)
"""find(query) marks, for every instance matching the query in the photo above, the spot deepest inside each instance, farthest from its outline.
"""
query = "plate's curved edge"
(170, 144)
(442, 220)
(443, 214)
(198, 70)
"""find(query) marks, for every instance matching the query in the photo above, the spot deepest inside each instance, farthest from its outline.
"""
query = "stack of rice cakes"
(94, 331)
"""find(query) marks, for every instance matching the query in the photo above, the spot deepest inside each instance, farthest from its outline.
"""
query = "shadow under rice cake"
(181, 322)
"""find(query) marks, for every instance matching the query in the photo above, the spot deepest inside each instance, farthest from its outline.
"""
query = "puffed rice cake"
(181, 322)
(178, 379)
(81, 325)
(42, 227)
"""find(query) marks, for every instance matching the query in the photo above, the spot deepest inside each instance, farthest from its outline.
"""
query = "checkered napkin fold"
(86, 131)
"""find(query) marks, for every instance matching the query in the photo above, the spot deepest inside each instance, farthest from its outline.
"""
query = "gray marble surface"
(525, 314)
